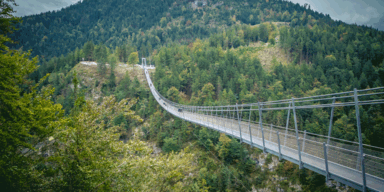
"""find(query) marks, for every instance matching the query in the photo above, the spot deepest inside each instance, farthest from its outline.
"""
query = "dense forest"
(209, 74)
(119, 22)
(66, 126)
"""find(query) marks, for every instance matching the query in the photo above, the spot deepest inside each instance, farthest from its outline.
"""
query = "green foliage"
(241, 79)
(88, 147)
(263, 33)
(149, 29)
(27, 118)
(112, 60)
(88, 50)
(170, 145)
(326, 56)
(7, 20)
(173, 94)
(268, 160)
(122, 90)
(133, 58)
(101, 57)
(205, 139)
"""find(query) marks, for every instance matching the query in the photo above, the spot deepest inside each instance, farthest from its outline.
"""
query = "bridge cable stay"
(355, 164)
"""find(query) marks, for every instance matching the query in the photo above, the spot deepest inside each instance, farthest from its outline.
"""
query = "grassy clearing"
(93, 81)
(268, 55)
(272, 55)
(89, 73)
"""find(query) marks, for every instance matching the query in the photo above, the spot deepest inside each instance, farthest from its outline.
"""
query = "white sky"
(369, 12)
(29, 7)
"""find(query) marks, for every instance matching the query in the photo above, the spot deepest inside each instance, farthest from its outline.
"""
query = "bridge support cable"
(232, 114)
(326, 162)
(261, 124)
(331, 120)
(217, 122)
(249, 125)
(360, 139)
(278, 143)
(286, 127)
(297, 133)
(239, 120)
(305, 134)
(211, 108)
(348, 162)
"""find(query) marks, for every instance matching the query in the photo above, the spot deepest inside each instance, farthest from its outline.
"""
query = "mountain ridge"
(116, 22)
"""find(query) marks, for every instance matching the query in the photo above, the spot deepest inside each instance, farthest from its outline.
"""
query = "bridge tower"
(144, 62)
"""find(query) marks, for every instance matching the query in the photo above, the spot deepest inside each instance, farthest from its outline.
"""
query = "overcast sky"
(369, 12)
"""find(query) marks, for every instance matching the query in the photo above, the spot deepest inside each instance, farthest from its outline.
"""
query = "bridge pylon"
(144, 62)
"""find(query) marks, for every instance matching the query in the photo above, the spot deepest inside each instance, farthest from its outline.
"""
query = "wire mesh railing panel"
(374, 166)
(274, 136)
(313, 148)
(244, 131)
(268, 132)
(369, 150)
(291, 146)
(255, 131)
(291, 142)
(343, 157)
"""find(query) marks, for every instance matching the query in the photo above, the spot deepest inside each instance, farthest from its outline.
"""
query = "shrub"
(170, 145)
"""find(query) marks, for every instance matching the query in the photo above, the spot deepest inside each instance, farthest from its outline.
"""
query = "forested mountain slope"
(324, 55)
(148, 24)
(204, 55)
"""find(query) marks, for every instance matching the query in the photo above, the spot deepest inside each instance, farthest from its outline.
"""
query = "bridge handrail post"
(270, 134)
(363, 171)
(227, 115)
(233, 116)
(222, 116)
(326, 162)
(286, 127)
(217, 124)
(238, 119)
(211, 117)
(208, 109)
(361, 150)
(206, 115)
(297, 133)
(278, 143)
(261, 124)
(305, 134)
(183, 114)
(249, 125)
(201, 115)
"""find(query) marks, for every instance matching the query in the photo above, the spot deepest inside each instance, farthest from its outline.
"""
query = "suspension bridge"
(355, 164)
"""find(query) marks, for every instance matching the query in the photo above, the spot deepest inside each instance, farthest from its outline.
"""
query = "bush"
(268, 160)
(170, 145)
(272, 41)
